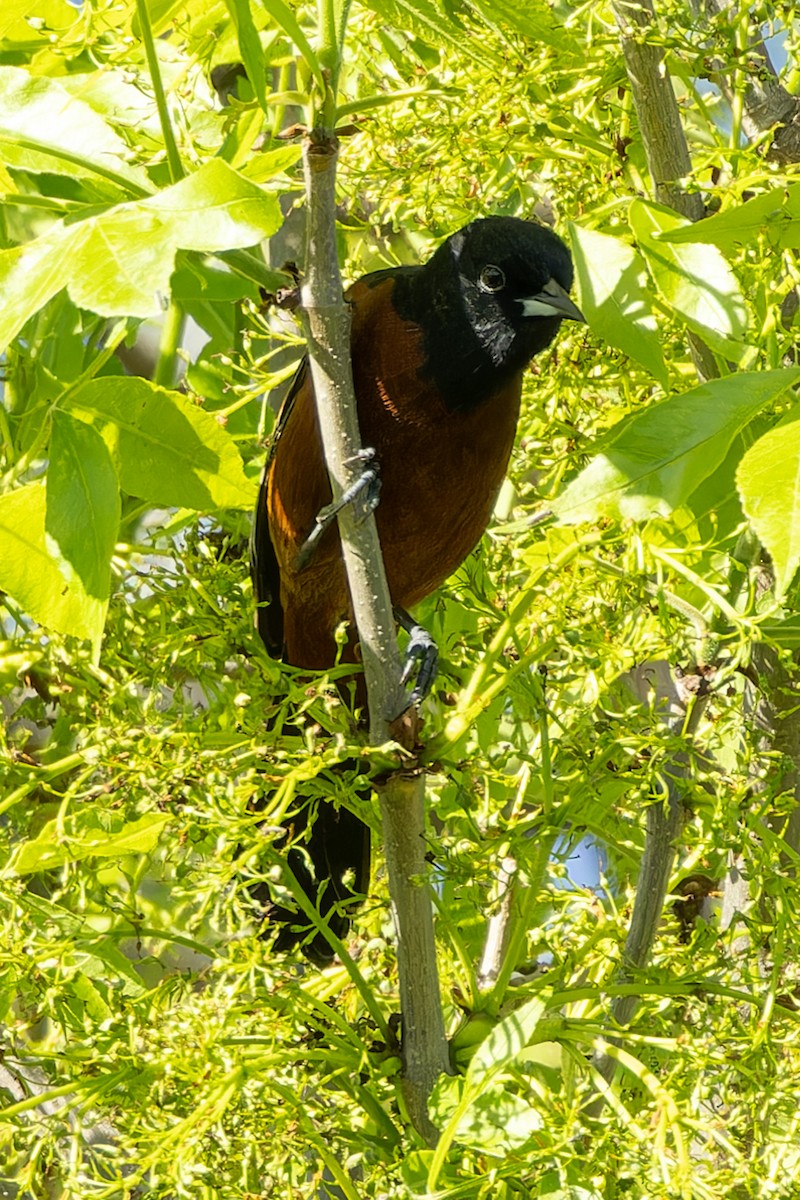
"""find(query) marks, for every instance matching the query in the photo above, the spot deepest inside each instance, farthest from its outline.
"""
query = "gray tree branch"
(677, 702)
(663, 138)
(326, 320)
(767, 103)
(664, 141)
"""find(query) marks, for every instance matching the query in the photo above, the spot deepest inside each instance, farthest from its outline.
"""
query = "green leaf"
(87, 833)
(245, 132)
(615, 297)
(493, 1121)
(384, 99)
(534, 20)
(116, 96)
(120, 262)
(91, 997)
(249, 48)
(32, 576)
(414, 1167)
(166, 449)
(431, 23)
(497, 1122)
(715, 503)
(43, 128)
(505, 1041)
(654, 460)
(251, 266)
(340, 10)
(92, 947)
(574, 1187)
(785, 633)
(768, 479)
(50, 15)
(694, 280)
(261, 167)
(106, 951)
(283, 16)
(775, 214)
(455, 1100)
(200, 280)
(83, 506)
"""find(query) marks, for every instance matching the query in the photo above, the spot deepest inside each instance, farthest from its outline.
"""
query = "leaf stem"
(165, 372)
(176, 170)
(122, 182)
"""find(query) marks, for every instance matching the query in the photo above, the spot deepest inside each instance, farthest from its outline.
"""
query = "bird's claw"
(422, 659)
(364, 495)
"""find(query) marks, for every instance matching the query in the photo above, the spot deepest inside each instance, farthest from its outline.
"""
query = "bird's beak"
(552, 301)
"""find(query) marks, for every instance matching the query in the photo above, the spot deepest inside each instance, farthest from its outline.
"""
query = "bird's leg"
(364, 495)
(422, 656)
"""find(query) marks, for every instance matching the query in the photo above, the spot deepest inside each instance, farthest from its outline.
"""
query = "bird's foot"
(364, 495)
(421, 657)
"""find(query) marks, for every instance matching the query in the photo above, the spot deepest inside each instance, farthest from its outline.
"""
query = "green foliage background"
(153, 1046)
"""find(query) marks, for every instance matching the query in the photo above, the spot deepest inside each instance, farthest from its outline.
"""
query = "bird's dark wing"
(264, 568)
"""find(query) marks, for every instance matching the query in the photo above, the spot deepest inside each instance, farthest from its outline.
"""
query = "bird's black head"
(491, 297)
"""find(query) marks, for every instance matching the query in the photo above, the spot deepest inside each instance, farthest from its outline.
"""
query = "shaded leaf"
(656, 458)
(414, 1169)
(493, 1121)
(694, 280)
(768, 479)
(199, 280)
(715, 503)
(615, 294)
(497, 1122)
(553, 1185)
(166, 449)
(784, 633)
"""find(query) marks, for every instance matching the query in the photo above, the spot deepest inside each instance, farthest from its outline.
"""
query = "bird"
(438, 355)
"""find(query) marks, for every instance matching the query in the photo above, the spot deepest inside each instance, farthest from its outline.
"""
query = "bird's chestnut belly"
(438, 492)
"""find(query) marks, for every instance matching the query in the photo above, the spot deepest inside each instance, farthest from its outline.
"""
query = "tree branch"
(678, 704)
(767, 103)
(664, 142)
(425, 1052)
(326, 325)
(326, 322)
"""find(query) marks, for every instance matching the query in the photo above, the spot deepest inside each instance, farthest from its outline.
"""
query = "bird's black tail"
(331, 864)
(330, 851)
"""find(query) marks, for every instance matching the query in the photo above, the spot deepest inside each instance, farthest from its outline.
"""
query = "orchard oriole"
(438, 354)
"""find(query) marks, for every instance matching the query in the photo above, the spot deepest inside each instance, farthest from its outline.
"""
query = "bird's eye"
(492, 279)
